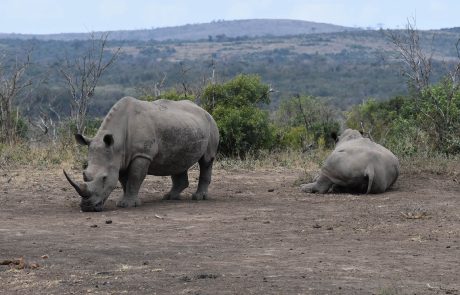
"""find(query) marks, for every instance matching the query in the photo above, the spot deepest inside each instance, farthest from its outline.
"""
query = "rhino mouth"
(89, 207)
(86, 205)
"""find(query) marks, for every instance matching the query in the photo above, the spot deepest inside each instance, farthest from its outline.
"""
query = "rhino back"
(347, 164)
(174, 135)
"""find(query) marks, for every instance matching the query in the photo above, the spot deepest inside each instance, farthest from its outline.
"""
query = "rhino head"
(101, 175)
(347, 135)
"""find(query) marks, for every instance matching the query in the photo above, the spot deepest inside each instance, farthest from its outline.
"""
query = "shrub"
(171, 94)
(243, 130)
(408, 126)
(306, 121)
(243, 126)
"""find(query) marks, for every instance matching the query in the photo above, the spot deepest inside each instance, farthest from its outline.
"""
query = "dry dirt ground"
(258, 234)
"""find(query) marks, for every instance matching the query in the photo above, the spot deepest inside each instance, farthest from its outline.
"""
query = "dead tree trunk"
(11, 85)
(82, 74)
(436, 107)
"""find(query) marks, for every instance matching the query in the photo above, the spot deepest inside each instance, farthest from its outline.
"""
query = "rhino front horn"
(82, 189)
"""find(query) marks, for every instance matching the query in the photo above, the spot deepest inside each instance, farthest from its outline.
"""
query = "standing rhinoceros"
(357, 164)
(139, 138)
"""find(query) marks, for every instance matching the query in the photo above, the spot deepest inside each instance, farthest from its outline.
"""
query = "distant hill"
(344, 66)
(215, 29)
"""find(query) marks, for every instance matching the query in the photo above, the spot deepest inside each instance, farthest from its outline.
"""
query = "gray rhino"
(139, 138)
(356, 165)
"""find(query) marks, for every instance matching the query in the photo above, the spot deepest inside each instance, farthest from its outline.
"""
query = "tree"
(242, 125)
(436, 106)
(416, 62)
(82, 74)
(306, 120)
(243, 90)
(12, 84)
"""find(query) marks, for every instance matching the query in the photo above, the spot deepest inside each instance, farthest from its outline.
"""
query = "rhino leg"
(132, 181)
(205, 179)
(321, 185)
(179, 183)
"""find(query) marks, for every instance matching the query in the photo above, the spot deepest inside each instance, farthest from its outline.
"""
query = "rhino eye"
(85, 165)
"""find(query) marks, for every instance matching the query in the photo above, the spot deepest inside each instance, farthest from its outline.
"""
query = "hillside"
(344, 67)
(216, 29)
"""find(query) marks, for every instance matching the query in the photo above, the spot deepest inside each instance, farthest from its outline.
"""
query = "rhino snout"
(90, 207)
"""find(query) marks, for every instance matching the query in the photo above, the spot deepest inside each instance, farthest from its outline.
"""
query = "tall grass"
(24, 154)
(288, 158)
(67, 153)
(431, 163)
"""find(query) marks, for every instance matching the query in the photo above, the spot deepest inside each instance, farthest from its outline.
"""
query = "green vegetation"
(328, 68)
(430, 124)
(307, 121)
(269, 95)
(242, 125)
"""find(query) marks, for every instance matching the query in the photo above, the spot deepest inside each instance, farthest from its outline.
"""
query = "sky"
(64, 16)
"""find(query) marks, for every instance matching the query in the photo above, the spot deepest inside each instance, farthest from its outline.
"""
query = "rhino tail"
(369, 172)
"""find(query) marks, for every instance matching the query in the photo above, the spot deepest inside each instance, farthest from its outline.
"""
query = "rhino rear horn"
(82, 189)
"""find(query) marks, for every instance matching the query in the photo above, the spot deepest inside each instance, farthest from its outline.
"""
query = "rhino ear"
(81, 139)
(108, 139)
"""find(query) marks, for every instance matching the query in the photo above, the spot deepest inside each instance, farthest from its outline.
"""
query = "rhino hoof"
(307, 188)
(124, 203)
(199, 196)
(170, 196)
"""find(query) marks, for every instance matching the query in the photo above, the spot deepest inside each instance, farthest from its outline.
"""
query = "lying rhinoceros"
(356, 165)
(139, 138)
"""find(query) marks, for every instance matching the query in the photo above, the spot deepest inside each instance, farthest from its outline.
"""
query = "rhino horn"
(82, 189)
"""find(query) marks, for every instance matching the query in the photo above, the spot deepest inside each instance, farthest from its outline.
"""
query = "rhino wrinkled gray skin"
(139, 138)
(357, 165)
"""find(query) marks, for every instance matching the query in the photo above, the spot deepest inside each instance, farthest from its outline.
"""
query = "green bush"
(306, 121)
(241, 91)
(438, 113)
(243, 126)
(407, 126)
(171, 94)
(292, 137)
(243, 130)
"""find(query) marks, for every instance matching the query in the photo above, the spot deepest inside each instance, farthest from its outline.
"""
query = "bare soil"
(258, 234)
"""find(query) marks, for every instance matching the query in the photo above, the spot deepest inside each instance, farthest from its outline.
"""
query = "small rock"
(108, 221)
(206, 276)
(186, 279)
(267, 222)
(45, 256)
(271, 190)
(316, 226)
(94, 225)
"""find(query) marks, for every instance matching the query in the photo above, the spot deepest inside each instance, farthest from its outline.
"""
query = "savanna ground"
(258, 234)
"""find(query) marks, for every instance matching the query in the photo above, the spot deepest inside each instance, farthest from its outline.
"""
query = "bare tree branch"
(434, 104)
(11, 86)
(82, 76)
